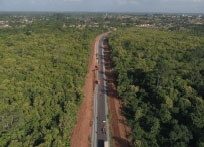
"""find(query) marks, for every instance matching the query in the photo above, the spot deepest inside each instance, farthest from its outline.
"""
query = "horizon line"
(124, 12)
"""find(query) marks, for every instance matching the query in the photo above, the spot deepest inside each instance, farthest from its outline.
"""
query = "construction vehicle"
(96, 67)
(98, 81)
(103, 129)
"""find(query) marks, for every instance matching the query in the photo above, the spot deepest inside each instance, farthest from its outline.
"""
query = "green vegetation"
(42, 72)
(44, 58)
(160, 80)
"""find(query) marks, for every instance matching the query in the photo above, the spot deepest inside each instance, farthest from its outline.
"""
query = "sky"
(157, 6)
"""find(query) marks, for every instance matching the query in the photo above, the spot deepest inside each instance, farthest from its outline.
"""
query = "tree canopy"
(42, 72)
(160, 81)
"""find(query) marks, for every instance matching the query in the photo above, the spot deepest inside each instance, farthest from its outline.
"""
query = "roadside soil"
(81, 135)
(117, 120)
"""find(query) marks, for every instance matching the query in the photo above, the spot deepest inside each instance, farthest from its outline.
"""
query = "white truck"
(106, 144)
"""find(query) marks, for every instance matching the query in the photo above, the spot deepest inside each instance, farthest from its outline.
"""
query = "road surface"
(100, 133)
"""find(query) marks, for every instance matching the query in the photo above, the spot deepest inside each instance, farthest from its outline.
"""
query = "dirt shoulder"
(118, 127)
(82, 131)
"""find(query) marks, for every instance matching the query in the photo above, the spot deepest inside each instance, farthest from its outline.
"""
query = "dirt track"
(81, 135)
(118, 128)
(82, 131)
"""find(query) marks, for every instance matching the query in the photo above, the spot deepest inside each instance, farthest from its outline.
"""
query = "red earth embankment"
(118, 127)
(81, 135)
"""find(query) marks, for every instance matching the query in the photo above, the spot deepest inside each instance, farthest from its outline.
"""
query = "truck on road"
(106, 144)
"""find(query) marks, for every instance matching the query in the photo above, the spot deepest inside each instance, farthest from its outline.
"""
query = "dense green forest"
(42, 72)
(160, 80)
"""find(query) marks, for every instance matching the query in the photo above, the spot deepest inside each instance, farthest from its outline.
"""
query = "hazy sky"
(180, 6)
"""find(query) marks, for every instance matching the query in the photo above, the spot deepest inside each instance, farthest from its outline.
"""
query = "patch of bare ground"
(118, 127)
(82, 131)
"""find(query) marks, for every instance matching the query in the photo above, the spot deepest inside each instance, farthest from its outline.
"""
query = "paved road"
(100, 101)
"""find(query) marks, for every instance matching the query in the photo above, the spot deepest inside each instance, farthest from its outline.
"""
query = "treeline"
(42, 73)
(160, 80)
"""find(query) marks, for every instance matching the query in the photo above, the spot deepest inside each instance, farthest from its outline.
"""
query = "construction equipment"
(98, 81)
(96, 67)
